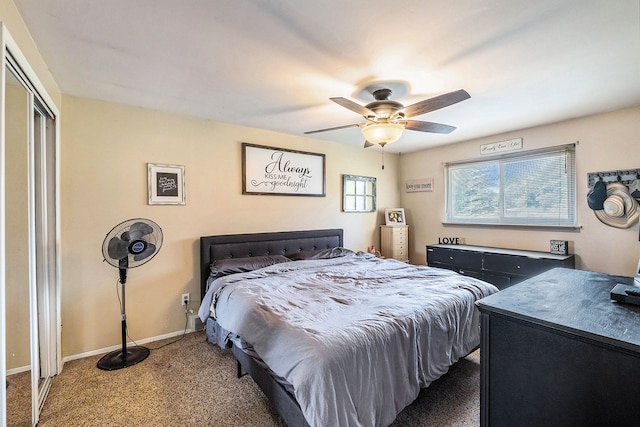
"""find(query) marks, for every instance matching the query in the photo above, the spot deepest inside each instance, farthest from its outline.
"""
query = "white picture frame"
(166, 184)
(395, 217)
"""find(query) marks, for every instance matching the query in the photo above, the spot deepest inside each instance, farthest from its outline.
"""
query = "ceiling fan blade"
(334, 128)
(118, 248)
(428, 127)
(151, 248)
(353, 106)
(368, 144)
(435, 103)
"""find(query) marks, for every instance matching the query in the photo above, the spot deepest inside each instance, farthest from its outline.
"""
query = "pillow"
(322, 254)
(223, 267)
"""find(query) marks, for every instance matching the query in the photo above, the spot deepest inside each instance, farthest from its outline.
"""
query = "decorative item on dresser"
(555, 350)
(394, 242)
(395, 217)
(498, 266)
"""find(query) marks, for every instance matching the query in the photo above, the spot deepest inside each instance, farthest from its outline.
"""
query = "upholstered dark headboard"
(285, 243)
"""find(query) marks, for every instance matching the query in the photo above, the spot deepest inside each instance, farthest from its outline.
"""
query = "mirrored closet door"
(16, 240)
(29, 259)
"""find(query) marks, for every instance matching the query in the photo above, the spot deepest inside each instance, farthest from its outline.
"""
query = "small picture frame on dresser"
(394, 217)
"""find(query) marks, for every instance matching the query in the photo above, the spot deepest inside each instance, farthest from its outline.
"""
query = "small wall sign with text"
(559, 247)
(501, 147)
(450, 241)
(165, 184)
(416, 185)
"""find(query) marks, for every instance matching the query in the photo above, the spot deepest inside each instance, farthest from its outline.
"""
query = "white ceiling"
(274, 64)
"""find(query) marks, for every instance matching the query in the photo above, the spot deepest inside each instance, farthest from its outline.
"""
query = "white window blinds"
(532, 188)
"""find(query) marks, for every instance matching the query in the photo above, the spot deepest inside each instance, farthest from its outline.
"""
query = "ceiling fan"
(387, 119)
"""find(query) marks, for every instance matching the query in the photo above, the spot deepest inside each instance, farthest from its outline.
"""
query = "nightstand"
(394, 242)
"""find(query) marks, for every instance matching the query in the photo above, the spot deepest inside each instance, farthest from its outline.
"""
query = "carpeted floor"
(19, 400)
(193, 383)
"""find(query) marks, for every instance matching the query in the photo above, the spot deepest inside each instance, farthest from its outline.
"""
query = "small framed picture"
(166, 184)
(394, 216)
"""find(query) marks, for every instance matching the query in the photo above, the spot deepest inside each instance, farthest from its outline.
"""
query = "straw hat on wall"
(619, 209)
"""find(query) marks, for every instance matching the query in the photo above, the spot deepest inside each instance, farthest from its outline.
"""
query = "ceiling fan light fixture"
(382, 133)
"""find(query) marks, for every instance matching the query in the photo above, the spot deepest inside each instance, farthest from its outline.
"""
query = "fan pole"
(123, 315)
(125, 357)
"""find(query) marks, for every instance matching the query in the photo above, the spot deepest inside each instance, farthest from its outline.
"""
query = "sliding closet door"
(29, 242)
(17, 243)
(45, 245)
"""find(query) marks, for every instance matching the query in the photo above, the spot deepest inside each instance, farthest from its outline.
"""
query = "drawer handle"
(517, 266)
(450, 257)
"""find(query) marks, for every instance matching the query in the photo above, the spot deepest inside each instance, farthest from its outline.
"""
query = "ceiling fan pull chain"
(382, 158)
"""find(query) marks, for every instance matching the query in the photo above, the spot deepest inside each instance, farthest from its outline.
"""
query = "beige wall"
(606, 142)
(106, 148)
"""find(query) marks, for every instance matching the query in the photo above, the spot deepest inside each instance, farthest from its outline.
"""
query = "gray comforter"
(356, 336)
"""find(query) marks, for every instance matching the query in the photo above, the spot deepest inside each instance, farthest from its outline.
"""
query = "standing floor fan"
(129, 244)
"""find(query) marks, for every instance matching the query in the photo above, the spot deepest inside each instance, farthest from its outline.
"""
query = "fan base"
(114, 360)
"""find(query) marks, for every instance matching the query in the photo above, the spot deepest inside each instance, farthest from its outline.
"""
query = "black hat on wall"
(597, 195)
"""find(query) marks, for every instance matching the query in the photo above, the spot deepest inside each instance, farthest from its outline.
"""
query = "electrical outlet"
(185, 299)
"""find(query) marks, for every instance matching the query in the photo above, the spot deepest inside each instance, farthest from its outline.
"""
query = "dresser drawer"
(455, 258)
(518, 265)
(398, 234)
(399, 251)
(398, 244)
(398, 230)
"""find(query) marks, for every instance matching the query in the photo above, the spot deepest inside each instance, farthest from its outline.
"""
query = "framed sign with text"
(166, 184)
(501, 147)
(415, 185)
(282, 172)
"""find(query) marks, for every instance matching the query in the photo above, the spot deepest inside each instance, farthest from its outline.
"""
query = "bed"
(332, 336)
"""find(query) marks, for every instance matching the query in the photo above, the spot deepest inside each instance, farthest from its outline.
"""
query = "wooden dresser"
(394, 242)
(501, 267)
(557, 351)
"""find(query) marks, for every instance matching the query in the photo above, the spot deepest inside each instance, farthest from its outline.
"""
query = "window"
(359, 193)
(535, 188)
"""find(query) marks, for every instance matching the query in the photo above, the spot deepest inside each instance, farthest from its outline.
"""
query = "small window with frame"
(358, 193)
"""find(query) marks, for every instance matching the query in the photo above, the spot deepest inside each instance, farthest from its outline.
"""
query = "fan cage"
(155, 238)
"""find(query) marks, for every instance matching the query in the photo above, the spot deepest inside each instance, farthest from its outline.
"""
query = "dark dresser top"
(573, 301)
(502, 251)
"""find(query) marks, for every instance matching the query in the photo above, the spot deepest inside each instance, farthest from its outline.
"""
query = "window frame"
(364, 190)
(502, 220)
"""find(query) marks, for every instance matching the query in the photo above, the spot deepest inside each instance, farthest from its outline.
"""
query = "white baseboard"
(116, 347)
(18, 370)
